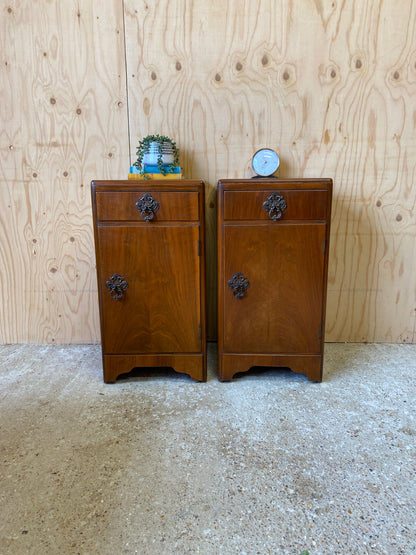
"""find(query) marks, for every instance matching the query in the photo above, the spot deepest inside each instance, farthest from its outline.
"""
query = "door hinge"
(320, 331)
(199, 247)
(199, 331)
(324, 249)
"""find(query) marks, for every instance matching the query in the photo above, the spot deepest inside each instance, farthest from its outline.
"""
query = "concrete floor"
(156, 463)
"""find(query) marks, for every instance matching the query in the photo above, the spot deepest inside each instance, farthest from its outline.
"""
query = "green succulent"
(143, 148)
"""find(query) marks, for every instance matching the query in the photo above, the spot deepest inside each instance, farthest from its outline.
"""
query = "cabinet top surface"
(151, 184)
(256, 184)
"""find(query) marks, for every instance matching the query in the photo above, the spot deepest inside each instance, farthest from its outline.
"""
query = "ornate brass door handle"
(239, 284)
(116, 285)
(275, 205)
(147, 206)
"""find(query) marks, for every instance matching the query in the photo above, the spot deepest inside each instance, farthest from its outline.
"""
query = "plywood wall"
(330, 84)
(64, 121)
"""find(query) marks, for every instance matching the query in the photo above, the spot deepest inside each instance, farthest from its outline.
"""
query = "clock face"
(265, 162)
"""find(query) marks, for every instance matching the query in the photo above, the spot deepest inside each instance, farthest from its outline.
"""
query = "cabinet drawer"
(171, 206)
(300, 205)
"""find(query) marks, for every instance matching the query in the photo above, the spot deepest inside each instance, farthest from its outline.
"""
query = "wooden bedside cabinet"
(150, 253)
(273, 242)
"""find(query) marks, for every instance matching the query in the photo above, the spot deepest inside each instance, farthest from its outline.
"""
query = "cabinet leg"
(313, 374)
(110, 373)
(225, 379)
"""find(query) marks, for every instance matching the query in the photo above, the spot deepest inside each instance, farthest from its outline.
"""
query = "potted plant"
(157, 151)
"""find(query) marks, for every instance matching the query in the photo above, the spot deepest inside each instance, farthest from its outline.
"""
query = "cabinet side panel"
(220, 275)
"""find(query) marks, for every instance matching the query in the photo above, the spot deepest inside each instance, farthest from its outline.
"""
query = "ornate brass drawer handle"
(116, 285)
(275, 205)
(147, 206)
(239, 284)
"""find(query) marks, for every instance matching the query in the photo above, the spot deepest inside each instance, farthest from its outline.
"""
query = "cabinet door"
(282, 308)
(159, 312)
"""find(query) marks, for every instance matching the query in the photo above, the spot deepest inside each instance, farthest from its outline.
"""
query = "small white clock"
(265, 162)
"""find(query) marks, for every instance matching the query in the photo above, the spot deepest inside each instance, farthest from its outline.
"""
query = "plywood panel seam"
(414, 326)
(126, 81)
